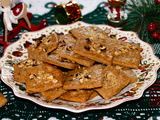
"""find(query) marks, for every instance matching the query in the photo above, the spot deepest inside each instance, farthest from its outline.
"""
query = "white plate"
(147, 73)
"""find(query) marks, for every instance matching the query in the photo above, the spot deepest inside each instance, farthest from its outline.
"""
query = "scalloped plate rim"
(89, 108)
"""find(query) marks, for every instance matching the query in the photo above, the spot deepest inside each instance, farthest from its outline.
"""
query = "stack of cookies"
(78, 66)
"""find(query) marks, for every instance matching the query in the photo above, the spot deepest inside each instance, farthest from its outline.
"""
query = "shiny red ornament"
(151, 28)
(151, 24)
(73, 9)
(68, 13)
(155, 35)
(157, 1)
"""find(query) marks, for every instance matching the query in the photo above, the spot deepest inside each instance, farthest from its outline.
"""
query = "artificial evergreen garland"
(144, 12)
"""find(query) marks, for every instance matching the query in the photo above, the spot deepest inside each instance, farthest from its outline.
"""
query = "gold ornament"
(68, 13)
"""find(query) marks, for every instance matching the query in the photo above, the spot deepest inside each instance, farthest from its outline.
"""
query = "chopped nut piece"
(92, 49)
(31, 76)
(133, 47)
(69, 48)
(44, 50)
(99, 51)
(85, 71)
(40, 72)
(91, 38)
(101, 35)
(50, 77)
(21, 65)
(94, 28)
(103, 48)
(96, 45)
(118, 67)
(86, 79)
(118, 52)
(81, 80)
(110, 76)
(124, 50)
(54, 80)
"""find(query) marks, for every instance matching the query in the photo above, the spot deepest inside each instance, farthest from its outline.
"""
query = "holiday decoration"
(155, 28)
(116, 15)
(68, 13)
(157, 1)
(11, 16)
(141, 18)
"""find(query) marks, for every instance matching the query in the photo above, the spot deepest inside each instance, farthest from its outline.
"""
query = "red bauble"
(151, 28)
(158, 1)
(151, 24)
(73, 9)
(155, 35)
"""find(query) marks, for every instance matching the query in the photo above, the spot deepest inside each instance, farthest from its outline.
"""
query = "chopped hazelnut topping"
(85, 72)
(118, 52)
(128, 45)
(44, 50)
(118, 67)
(50, 77)
(81, 80)
(54, 80)
(69, 48)
(92, 49)
(110, 76)
(91, 38)
(99, 51)
(31, 76)
(42, 76)
(84, 76)
(133, 47)
(28, 64)
(101, 35)
(124, 50)
(96, 45)
(94, 28)
(21, 65)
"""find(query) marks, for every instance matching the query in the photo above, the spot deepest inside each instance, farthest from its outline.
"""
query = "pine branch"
(143, 13)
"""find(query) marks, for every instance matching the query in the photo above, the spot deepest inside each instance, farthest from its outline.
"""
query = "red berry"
(151, 24)
(155, 35)
(159, 37)
(151, 28)
(158, 1)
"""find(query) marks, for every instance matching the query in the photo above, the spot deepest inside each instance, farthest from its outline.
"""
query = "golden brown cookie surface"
(77, 95)
(127, 54)
(114, 80)
(3, 100)
(53, 94)
(69, 41)
(40, 79)
(84, 78)
(20, 69)
(41, 48)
